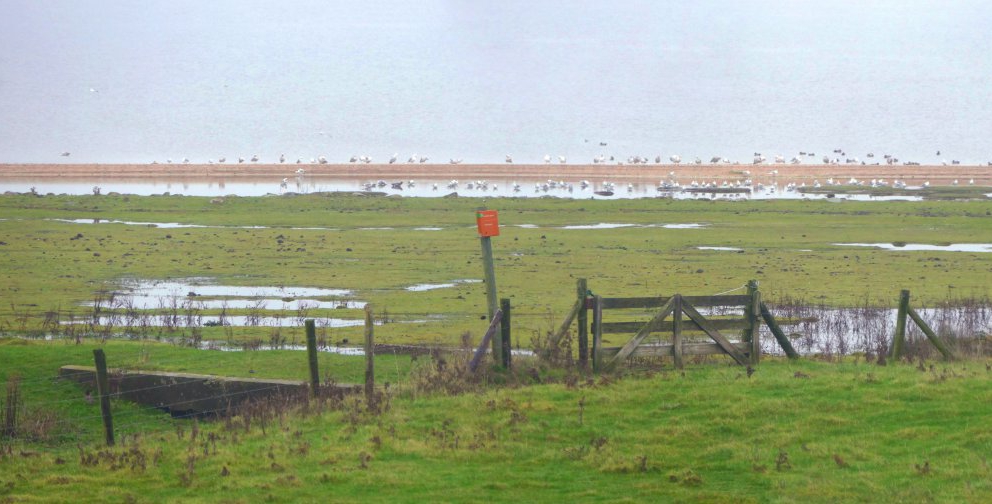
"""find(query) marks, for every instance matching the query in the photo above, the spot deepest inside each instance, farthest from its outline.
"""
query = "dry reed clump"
(20, 421)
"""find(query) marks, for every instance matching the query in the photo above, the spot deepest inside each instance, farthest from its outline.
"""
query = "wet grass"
(791, 432)
(808, 431)
(49, 266)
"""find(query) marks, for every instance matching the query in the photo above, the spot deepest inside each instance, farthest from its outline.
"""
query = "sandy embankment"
(781, 173)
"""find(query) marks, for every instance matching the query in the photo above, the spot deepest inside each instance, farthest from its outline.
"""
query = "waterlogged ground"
(267, 263)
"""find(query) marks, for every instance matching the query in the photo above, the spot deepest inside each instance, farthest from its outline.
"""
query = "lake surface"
(598, 189)
(167, 79)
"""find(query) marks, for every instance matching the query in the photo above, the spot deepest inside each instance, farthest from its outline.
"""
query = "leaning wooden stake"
(312, 357)
(481, 351)
(932, 336)
(900, 336)
(783, 341)
(103, 388)
(369, 359)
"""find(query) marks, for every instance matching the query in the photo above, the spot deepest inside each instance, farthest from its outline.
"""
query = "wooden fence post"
(677, 331)
(581, 289)
(312, 357)
(103, 388)
(753, 311)
(900, 336)
(369, 359)
(597, 333)
(504, 324)
(491, 301)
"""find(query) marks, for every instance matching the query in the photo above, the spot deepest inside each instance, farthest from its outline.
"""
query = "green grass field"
(788, 246)
(795, 431)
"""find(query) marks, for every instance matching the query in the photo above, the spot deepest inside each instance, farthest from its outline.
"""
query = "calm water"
(120, 82)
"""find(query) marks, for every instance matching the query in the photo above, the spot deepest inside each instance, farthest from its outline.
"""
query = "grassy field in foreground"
(337, 241)
(793, 432)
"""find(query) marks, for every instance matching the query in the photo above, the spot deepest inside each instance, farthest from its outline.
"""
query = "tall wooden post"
(504, 306)
(369, 359)
(312, 357)
(103, 388)
(900, 336)
(581, 289)
(597, 333)
(677, 331)
(753, 312)
(492, 302)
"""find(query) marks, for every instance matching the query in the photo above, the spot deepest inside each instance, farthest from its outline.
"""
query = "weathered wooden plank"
(643, 332)
(669, 326)
(666, 350)
(932, 336)
(657, 302)
(713, 333)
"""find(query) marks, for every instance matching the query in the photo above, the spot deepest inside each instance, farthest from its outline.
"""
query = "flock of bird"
(668, 185)
(838, 157)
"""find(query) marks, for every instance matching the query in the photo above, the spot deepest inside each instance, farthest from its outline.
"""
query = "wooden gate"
(669, 318)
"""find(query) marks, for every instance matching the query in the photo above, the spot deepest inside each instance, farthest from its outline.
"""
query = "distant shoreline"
(783, 173)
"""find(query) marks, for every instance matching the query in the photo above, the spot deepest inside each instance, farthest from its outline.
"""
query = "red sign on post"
(487, 222)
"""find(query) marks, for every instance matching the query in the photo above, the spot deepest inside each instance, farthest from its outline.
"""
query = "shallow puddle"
(203, 294)
(729, 249)
(427, 287)
(915, 247)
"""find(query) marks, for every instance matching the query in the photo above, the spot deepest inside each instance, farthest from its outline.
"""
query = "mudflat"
(782, 173)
